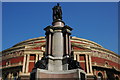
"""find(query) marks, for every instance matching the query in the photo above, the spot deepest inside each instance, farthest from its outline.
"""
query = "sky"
(95, 21)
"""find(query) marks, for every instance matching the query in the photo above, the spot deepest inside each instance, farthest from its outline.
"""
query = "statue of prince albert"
(57, 12)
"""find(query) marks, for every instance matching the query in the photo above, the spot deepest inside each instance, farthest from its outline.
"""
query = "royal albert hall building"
(94, 59)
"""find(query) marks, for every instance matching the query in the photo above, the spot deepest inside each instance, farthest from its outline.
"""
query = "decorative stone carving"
(12, 54)
(57, 13)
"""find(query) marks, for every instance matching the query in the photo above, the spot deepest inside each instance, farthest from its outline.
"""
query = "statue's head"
(58, 4)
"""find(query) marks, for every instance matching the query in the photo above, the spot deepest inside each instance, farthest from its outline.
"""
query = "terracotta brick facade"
(29, 55)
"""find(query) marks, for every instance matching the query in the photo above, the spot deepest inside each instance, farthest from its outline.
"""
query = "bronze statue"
(57, 12)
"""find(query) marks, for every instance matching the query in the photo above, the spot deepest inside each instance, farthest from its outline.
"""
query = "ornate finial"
(57, 12)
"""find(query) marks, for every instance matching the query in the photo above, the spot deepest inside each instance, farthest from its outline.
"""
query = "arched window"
(106, 64)
(100, 76)
(15, 75)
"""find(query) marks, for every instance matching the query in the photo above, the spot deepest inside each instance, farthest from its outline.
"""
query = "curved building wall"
(97, 61)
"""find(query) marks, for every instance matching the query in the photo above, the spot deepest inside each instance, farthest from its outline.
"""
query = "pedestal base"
(24, 76)
(90, 77)
(75, 74)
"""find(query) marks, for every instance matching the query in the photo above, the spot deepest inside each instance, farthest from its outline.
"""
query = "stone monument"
(57, 62)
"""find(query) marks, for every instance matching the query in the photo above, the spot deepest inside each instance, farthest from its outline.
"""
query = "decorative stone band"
(105, 50)
(57, 31)
(51, 29)
(13, 54)
(53, 23)
(48, 29)
(57, 58)
(12, 65)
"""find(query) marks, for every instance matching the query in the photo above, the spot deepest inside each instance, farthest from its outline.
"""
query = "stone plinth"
(75, 74)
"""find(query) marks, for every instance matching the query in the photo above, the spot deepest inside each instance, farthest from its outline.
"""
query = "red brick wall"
(31, 66)
(83, 66)
(39, 41)
(13, 60)
(76, 48)
(4, 62)
(32, 57)
(82, 57)
(37, 48)
(102, 61)
(16, 60)
(0, 63)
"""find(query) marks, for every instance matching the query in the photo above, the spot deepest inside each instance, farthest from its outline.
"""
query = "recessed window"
(100, 76)
(106, 64)
(7, 63)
